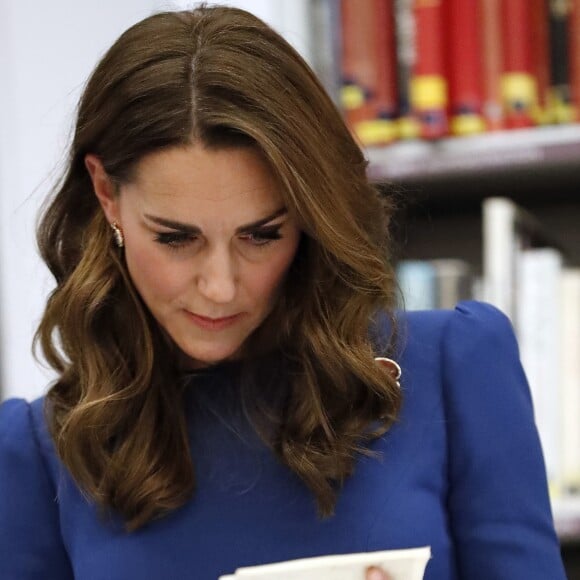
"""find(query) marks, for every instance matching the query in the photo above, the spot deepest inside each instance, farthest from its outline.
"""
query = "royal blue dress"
(461, 471)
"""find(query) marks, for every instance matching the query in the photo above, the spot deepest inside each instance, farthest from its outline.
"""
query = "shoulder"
(18, 416)
(15, 425)
(30, 536)
(469, 320)
(472, 333)
(24, 434)
(473, 349)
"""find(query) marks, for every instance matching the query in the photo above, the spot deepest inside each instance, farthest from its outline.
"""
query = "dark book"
(541, 46)
(406, 37)
(560, 97)
(574, 56)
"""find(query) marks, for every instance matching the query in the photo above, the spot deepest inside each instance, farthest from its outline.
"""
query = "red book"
(465, 67)
(492, 65)
(519, 85)
(369, 70)
(574, 51)
(540, 31)
(386, 96)
(429, 91)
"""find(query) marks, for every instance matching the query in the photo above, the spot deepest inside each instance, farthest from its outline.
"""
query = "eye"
(174, 240)
(263, 236)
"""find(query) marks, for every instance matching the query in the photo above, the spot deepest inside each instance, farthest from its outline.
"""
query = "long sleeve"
(30, 539)
(499, 506)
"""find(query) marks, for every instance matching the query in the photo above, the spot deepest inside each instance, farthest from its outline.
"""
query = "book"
(502, 243)
(574, 52)
(542, 71)
(383, 129)
(429, 88)
(560, 105)
(357, 60)
(454, 281)
(538, 326)
(519, 85)
(406, 37)
(408, 564)
(570, 373)
(325, 41)
(417, 283)
(369, 70)
(465, 66)
(491, 38)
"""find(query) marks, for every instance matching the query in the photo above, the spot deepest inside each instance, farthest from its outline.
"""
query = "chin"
(211, 356)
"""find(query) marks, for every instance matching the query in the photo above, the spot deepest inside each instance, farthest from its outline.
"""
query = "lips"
(208, 323)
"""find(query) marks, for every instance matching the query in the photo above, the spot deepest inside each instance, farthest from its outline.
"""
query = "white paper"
(406, 564)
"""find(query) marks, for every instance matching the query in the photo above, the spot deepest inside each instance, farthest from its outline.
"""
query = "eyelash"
(259, 238)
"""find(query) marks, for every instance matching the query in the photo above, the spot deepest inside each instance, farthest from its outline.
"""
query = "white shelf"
(517, 149)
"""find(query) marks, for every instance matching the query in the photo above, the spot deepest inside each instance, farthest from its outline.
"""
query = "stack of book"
(429, 284)
(431, 68)
(525, 275)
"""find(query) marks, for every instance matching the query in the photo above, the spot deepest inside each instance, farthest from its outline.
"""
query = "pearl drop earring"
(118, 235)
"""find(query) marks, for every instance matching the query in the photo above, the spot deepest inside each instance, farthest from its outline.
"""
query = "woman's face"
(207, 243)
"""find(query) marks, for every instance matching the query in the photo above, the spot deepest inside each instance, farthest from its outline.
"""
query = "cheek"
(267, 278)
(152, 273)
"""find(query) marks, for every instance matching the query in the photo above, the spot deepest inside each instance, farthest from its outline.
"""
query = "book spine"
(539, 338)
(519, 86)
(542, 70)
(500, 251)
(465, 67)
(560, 103)
(429, 90)
(416, 279)
(369, 93)
(406, 41)
(491, 51)
(574, 55)
(325, 41)
(383, 129)
(357, 60)
(454, 282)
(570, 365)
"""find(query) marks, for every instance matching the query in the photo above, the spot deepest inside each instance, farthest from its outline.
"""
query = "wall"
(46, 54)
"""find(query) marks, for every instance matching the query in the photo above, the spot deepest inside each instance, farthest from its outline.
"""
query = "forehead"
(194, 180)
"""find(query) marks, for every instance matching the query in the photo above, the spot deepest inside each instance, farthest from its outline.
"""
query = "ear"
(104, 188)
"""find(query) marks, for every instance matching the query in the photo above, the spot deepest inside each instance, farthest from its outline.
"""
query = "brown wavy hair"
(221, 77)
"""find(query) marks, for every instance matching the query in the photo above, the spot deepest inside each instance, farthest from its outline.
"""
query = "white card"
(406, 564)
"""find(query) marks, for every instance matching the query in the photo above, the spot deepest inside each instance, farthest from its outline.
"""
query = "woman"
(223, 287)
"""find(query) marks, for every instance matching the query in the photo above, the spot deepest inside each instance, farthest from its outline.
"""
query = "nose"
(217, 277)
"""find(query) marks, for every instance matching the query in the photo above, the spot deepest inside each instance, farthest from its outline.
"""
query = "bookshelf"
(440, 187)
(541, 149)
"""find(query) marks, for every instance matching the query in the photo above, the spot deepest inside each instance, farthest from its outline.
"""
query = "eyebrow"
(196, 230)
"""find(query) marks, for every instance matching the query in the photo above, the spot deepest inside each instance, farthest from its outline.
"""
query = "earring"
(118, 235)
(392, 367)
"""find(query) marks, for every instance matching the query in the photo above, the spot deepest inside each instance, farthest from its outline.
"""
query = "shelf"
(540, 147)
